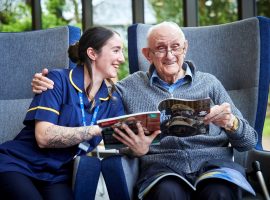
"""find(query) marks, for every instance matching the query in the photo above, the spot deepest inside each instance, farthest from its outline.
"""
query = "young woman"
(37, 164)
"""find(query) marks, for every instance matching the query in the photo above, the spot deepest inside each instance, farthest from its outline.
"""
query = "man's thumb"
(155, 134)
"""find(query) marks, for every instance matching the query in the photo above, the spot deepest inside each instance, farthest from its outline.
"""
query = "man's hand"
(139, 143)
(41, 83)
(220, 115)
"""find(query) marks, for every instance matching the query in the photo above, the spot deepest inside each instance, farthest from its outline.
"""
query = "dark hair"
(95, 37)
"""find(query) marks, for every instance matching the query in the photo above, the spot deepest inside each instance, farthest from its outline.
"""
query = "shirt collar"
(188, 74)
(76, 80)
(188, 71)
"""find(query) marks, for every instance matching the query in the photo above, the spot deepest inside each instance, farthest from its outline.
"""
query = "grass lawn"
(266, 129)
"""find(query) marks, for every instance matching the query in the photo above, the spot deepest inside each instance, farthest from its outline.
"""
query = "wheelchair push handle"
(257, 168)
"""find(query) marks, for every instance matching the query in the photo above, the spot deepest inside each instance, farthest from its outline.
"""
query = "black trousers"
(14, 185)
(171, 188)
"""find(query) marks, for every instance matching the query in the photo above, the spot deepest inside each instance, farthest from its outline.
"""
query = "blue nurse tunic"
(60, 106)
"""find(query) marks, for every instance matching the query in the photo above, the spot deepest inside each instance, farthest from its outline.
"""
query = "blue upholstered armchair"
(21, 55)
(238, 54)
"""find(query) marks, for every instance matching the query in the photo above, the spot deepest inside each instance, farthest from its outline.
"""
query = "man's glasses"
(163, 52)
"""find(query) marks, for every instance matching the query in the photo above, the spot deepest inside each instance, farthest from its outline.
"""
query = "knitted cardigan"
(186, 154)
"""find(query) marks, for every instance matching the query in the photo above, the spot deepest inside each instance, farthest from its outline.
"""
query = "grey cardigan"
(186, 154)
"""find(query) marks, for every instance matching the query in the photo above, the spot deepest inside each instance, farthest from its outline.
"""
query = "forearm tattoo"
(60, 137)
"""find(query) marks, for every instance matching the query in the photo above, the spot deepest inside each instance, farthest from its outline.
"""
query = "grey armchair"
(238, 54)
(21, 55)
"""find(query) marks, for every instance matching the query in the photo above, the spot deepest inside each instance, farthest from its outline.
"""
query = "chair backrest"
(236, 53)
(23, 54)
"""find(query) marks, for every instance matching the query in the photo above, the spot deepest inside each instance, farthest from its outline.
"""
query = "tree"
(213, 12)
(210, 11)
(15, 16)
(55, 10)
(263, 8)
(168, 10)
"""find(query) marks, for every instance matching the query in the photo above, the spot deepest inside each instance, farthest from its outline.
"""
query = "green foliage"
(55, 14)
(266, 129)
(263, 8)
(56, 7)
(16, 18)
(50, 20)
(210, 11)
(213, 12)
(124, 67)
(168, 10)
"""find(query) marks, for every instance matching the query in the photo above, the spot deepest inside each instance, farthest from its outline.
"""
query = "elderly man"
(169, 76)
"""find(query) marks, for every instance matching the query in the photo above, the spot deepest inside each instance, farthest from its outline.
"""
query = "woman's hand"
(139, 143)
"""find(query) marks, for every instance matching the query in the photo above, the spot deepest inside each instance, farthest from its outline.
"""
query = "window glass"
(263, 7)
(149, 13)
(212, 12)
(116, 14)
(61, 12)
(168, 10)
(15, 16)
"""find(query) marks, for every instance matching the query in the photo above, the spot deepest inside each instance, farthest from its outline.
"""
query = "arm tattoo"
(60, 137)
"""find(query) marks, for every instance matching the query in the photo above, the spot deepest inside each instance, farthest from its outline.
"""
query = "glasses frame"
(162, 53)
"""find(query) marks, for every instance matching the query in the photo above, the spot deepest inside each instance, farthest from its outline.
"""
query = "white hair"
(165, 24)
